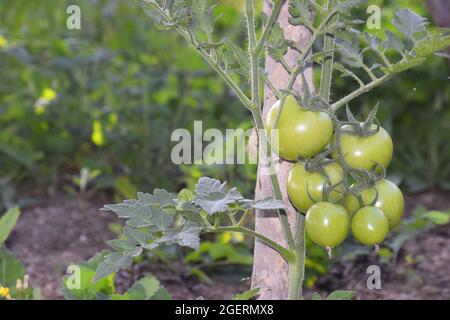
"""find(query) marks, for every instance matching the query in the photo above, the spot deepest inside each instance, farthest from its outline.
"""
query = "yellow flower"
(49, 94)
(97, 133)
(4, 292)
(3, 41)
(39, 109)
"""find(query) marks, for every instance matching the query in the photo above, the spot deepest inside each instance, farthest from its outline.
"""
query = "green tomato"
(301, 133)
(327, 224)
(390, 200)
(362, 153)
(370, 226)
(300, 182)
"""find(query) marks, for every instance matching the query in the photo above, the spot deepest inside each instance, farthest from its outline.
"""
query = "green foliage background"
(122, 87)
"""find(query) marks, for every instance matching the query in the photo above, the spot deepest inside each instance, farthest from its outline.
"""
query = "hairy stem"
(272, 87)
(264, 147)
(273, 17)
(327, 66)
(254, 55)
(208, 57)
(335, 106)
(266, 150)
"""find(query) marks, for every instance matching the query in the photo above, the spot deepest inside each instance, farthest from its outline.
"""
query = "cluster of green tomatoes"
(341, 189)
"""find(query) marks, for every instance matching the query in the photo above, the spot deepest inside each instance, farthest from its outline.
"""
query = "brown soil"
(64, 230)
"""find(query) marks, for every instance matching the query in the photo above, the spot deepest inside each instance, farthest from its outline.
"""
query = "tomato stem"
(284, 252)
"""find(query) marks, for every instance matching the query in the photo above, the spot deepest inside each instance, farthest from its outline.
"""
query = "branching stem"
(284, 252)
(335, 106)
(268, 27)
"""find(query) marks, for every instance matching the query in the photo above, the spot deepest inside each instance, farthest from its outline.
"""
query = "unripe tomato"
(300, 182)
(363, 152)
(301, 133)
(327, 224)
(370, 226)
(390, 200)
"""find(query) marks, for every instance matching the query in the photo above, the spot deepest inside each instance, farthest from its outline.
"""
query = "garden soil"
(50, 236)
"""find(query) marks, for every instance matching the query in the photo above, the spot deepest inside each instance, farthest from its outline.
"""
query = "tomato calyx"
(318, 164)
(356, 190)
(310, 102)
(369, 127)
(319, 161)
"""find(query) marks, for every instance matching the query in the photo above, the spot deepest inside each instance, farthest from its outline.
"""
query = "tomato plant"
(305, 121)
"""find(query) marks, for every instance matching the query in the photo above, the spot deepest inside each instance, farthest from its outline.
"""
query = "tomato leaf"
(116, 261)
(431, 45)
(140, 214)
(299, 13)
(393, 42)
(409, 23)
(202, 14)
(350, 52)
(372, 41)
(277, 45)
(188, 236)
(403, 66)
(243, 60)
(347, 5)
(160, 197)
(213, 197)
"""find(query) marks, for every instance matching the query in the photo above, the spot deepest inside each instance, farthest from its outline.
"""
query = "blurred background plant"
(105, 97)
(93, 110)
(14, 282)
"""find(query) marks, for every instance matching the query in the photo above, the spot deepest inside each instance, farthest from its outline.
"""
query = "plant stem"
(284, 252)
(327, 67)
(383, 57)
(273, 16)
(243, 218)
(264, 147)
(296, 268)
(226, 77)
(300, 253)
(335, 106)
(272, 87)
(266, 150)
(209, 58)
(254, 54)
